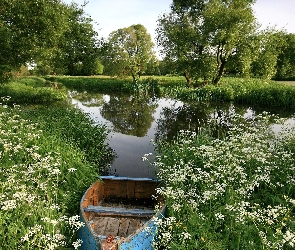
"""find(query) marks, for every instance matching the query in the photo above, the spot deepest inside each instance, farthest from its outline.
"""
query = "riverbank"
(231, 192)
(258, 92)
(252, 91)
(230, 183)
(45, 168)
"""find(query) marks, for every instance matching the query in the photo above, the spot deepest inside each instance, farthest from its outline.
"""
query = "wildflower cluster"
(231, 193)
(40, 178)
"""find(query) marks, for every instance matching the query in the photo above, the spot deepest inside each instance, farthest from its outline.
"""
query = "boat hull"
(141, 238)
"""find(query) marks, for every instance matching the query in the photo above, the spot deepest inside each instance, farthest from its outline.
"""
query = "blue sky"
(115, 14)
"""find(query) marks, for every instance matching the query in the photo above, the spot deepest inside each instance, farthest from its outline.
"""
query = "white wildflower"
(77, 243)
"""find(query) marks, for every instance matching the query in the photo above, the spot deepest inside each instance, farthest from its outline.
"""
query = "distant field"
(291, 83)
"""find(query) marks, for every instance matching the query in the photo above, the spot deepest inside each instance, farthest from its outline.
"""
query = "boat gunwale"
(99, 238)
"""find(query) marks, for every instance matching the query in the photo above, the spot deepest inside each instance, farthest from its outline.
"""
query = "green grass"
(31, 90)
(97, 84)
(238, 90)
(235, 192)
(45, 168)
(290, 83)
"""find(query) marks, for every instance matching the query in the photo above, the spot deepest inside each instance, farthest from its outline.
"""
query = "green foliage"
(43, 68)
(127, 52)
(43, 175)
(55, 36)
(201, 35)
(78, 48)
(239, 90)
(269, 48)
(262, 93)
(31, 91)
(228, 193)
(99, 68)
(286, 59)
(25, 28)
(76, 128)
(22, 71)
(97, 84)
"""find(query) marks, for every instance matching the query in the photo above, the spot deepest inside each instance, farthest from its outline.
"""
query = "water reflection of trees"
(130, 115)
(194, 117)
(88, 99)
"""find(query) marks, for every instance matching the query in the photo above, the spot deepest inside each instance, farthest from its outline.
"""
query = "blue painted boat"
(119, 214)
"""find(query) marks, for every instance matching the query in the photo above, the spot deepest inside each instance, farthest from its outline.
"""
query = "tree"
(128, 51)
(26, 27)
(152, 67)
(55, 36)
(240, 61)
(77, 50)
(268, 50)
(286, 59)
(200, 35)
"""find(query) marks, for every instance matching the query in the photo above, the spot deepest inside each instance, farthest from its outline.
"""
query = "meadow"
(235, 191)
(45, 168)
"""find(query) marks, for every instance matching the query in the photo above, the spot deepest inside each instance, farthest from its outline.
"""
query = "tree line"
(199, 39)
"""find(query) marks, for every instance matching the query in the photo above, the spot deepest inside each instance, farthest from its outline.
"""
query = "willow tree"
(200, 35)
(128, 52)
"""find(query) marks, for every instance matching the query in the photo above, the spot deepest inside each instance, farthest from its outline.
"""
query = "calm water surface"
(133, 125)
(135, 122)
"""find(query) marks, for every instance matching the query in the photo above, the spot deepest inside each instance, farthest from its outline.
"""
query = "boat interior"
(118, 208)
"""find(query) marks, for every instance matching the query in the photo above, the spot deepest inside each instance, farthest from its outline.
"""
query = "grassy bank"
(32, 90)
(239, 90)
(97, 84)
(233, 193)
(45, 168)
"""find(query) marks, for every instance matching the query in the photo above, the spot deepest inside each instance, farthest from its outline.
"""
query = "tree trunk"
(220, 71)
(188, 79)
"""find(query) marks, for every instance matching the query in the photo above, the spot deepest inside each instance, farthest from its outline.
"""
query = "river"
(136, 122)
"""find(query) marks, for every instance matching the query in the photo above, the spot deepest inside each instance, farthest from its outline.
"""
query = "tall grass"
(44, 173)
(97, 84)
(31, 90)
(77, 128)
(239, 90)
(235, 192)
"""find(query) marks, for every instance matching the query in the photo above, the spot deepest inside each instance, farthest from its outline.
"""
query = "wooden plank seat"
(120, 211)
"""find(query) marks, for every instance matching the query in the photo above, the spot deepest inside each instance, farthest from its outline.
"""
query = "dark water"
(135, 122)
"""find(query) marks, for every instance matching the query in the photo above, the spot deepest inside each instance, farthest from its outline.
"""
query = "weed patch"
(235, 192)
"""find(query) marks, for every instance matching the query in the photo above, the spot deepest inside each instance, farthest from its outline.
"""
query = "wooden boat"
(119, 214)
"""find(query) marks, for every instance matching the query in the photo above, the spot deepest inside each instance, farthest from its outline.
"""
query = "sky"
(112, 15)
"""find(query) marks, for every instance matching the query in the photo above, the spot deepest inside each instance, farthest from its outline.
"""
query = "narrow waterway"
(136, 122)
(132, 129)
